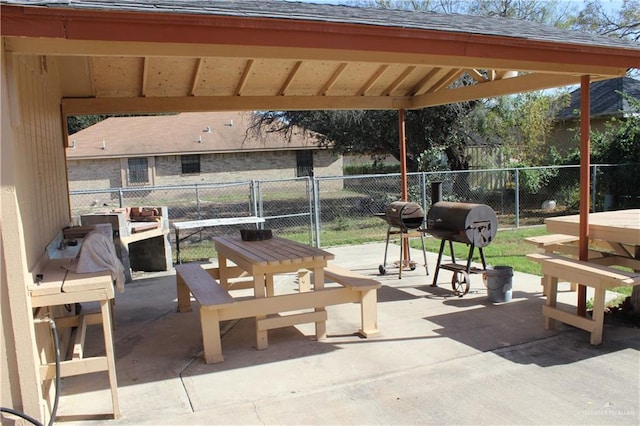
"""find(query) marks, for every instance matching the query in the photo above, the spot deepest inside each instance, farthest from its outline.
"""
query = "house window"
(190, 164)
(138, 172)
(304, 163)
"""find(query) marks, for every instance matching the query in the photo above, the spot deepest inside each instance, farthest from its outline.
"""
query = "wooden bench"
(366, 287)
(192, 278)
(599, 277)
(216, 304)
(552, 243)
(240, 280)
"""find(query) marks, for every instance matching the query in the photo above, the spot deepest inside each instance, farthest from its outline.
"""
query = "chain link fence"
(337, 210)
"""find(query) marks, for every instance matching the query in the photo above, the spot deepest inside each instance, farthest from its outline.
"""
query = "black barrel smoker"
(473, 224)
(403, 218)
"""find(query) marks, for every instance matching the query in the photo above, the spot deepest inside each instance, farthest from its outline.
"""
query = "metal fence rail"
(312, 208)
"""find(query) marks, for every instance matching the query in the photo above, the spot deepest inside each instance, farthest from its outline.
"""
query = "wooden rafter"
(476, 75)
(332, 80)
(530, 82)
(289, 79)
(143, 77)
(196, 77)
(445, 81)
(398, 81)
(243, 78)
(427, 81)
(372, 80)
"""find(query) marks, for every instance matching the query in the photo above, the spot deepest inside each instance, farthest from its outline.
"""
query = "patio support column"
(585, 183)
(403, 176)
(403, 156)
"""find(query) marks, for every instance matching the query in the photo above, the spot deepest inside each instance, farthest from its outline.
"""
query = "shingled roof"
(178, 134)
(486, 25)
(142, 56)
(607, 99)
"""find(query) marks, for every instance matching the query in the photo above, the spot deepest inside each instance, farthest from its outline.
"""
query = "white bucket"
(498, 279)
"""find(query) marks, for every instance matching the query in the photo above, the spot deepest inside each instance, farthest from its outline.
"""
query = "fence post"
(594, 171)
(517, 197)
(253, 196)
(309, 186)
(423, 183)
(316, 210)
(259, 199)
(198, 202)
(120, 197)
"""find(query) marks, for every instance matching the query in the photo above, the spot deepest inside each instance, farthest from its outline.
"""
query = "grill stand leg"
(383, 268)
(424, 253)
(471, 249)
(438, 262)
(401, 264)
(484, 262)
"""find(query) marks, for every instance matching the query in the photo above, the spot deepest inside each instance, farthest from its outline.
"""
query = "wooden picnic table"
(615, 227)
(619, 232)
(207, 223)
(266, 258)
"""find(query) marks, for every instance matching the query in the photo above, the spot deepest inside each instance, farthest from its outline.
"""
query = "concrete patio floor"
(440, 359)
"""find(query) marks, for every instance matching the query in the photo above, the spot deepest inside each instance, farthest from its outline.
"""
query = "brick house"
(188, 148)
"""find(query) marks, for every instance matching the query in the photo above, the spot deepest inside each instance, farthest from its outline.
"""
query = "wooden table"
(263, 260)
(619, 233)
(207, 223)
(59, 286)
(615, 227)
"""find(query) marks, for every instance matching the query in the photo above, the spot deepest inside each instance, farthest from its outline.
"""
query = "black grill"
(405, 219)
(472, 224)
(463, 222)
(404, 215)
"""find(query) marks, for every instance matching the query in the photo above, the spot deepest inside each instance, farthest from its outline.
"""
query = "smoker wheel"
(382, 269)
(460, 283)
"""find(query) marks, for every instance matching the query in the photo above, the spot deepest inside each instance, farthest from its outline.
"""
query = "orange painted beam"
(585, 182)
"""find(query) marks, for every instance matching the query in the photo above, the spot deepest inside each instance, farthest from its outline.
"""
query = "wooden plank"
(76, 297)
(204, 223)
(74, 367)
(584, 272)
(287, 302)
(289, 320)
(349, 278)
(78, 345)
(206, 290)
(543, 241)
(569, 318)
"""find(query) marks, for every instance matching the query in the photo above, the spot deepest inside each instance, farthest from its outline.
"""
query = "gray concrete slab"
(440, 359)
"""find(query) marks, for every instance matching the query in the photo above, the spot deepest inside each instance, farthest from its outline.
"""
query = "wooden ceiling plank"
(332, 80)
(372, 80)
(243, 79)
(290, 77)
(196, 77)
(75, 106)
(398, 81)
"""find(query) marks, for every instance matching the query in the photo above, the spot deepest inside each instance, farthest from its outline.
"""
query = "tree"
(375, 133)
(75, 123)
(622, 23)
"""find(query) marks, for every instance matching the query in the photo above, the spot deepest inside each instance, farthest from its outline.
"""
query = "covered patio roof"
(161, 56)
